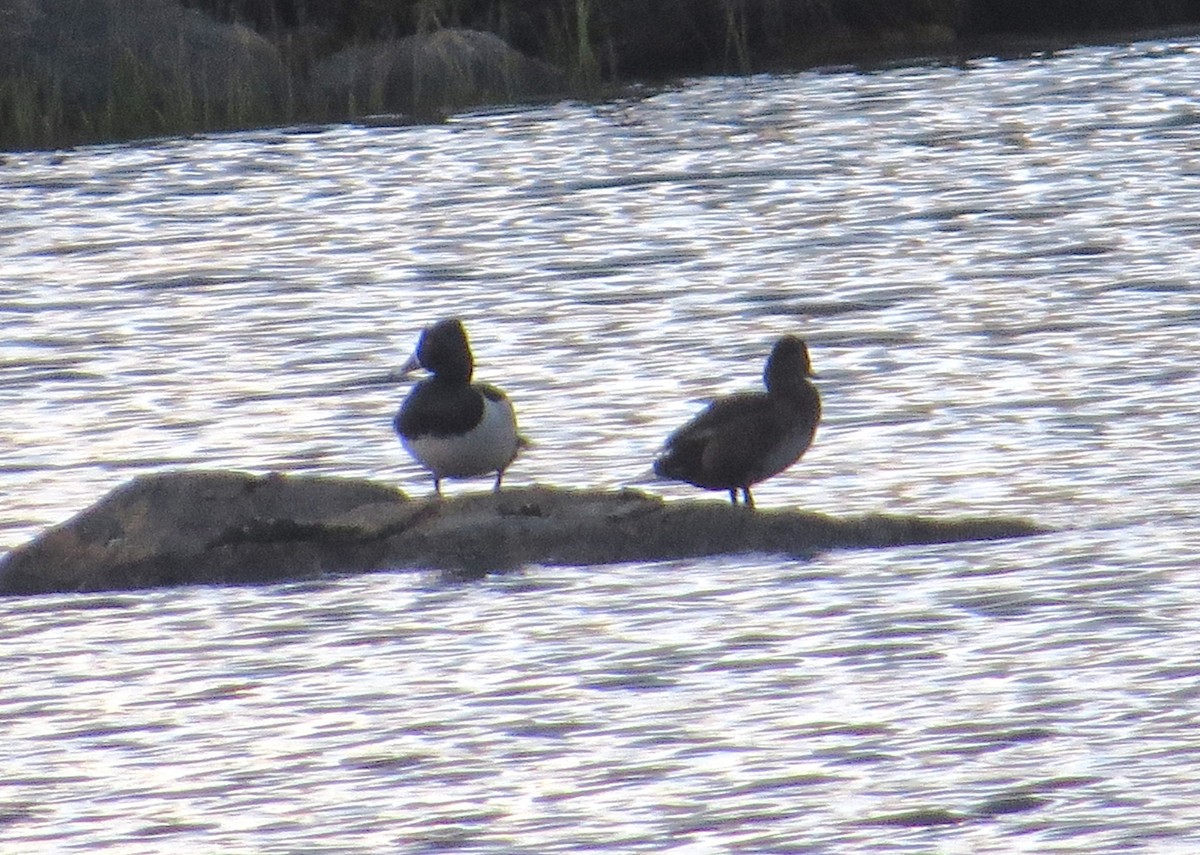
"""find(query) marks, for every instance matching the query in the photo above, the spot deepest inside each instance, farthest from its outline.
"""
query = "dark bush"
(990, 17)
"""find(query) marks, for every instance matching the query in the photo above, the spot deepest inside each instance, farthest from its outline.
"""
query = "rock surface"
(199, 527)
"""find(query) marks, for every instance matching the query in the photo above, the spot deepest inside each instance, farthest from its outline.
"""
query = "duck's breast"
(488, 447)
(788, 433)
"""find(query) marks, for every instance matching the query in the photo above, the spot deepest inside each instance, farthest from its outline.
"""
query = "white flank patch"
(490, 447)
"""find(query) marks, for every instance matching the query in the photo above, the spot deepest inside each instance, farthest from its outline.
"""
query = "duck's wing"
(723, 413)
(715, 449)
(492, 393)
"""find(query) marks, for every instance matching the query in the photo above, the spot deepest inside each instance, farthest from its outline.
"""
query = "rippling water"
(994, 268)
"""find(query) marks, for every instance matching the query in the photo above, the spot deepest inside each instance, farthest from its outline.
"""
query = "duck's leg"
(496, 486)
(733, 495)
(437, 486)
(747, 499)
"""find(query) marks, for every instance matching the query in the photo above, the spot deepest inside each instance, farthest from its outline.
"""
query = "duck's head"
(444, 351)
(787, 363)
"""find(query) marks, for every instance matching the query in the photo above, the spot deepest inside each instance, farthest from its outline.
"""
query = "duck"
(747, 437)
(452, 427)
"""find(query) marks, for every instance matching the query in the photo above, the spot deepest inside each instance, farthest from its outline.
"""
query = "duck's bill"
(409, 367)
(402, 373)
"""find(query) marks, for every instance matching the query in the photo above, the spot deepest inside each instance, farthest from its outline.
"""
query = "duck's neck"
(786, 383)
(452, 378)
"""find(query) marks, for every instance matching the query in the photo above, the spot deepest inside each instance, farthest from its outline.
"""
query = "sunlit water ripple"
(994, 268)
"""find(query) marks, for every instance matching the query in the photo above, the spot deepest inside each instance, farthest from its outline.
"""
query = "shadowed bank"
(83, 71)
(198, 527)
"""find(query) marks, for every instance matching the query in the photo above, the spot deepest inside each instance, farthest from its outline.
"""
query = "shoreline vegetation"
(76, 72)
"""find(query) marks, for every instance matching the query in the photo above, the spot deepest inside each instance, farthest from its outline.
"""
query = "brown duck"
(747, 437)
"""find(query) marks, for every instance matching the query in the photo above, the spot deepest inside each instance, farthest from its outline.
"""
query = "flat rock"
(201, 527)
